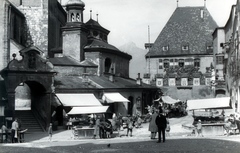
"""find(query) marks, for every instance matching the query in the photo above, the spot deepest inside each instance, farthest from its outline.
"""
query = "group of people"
(102, 128)
(158, 123)
(16, 134)
(230, 124)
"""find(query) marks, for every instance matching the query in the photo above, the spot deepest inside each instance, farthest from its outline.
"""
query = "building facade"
(47, 50)
(180, 61)
(228, 40)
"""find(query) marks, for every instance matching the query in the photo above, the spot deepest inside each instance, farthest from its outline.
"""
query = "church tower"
(74, 33)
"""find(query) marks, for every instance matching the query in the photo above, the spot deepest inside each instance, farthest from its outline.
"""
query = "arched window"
(78, 18)
(72, 17)
(107, 65)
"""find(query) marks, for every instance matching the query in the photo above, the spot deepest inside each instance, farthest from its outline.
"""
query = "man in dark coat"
(161, 123)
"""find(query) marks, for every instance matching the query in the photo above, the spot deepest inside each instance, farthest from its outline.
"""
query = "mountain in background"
(138, 61)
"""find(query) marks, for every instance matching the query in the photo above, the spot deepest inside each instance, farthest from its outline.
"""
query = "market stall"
(83, 107)
(210, 112)
(172, 107)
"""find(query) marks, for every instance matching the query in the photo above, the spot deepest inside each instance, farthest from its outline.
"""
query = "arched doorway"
(34, 74)
(130, 105)
(22, 97)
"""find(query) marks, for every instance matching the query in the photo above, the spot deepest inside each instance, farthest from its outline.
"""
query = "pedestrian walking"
(199, 128)
(130, 125)
(161, 123)
(50, 132)
(152, 124)
(14, 131)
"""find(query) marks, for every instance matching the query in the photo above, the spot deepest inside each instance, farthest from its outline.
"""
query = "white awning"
(169, 100)
(78, 100)
(114, 97)
(221, 102)
(88, 110)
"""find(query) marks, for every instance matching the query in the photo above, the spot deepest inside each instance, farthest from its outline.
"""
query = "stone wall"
(57, 19)
(4, 43)
(36, 13)
(120, 64)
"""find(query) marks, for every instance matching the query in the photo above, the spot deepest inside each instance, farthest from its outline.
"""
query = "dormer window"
(165, 48)
(209, 47)
(185, 47)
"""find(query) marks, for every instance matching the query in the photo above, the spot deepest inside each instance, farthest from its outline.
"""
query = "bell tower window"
(78, 17)
(72, 17)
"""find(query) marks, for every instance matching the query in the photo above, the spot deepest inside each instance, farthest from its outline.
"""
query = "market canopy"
(88, 110)
(221, 102)
(78, 100)
(169, 100)
(114, 97)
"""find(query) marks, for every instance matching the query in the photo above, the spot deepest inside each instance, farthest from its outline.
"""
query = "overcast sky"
(128, 20)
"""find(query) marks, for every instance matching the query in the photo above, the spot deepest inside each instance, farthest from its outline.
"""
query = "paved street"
(127, 144)
(180, 140)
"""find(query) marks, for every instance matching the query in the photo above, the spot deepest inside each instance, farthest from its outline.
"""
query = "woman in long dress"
(96, 127)
(152, 125)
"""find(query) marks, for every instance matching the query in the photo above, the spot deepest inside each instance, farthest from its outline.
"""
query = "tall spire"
(91, 14)
(177, 3)
(97, 17)
(204, 3)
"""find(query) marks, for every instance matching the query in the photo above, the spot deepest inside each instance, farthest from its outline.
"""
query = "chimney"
(139, 80)
(111, 76)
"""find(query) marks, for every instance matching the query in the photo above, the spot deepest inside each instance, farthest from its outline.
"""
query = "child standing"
(168, 129)
(130, 126)
(50, 132)
(199, 128)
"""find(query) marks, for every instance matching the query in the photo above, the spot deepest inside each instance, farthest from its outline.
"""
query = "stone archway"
(37, 72)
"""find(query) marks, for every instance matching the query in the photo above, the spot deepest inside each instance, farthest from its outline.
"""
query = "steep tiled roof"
(118, 82)
(70, 82)
(95, 43)
(185, 27)
(64, 61)
(76, 83)
(99, 45)
(92, 24)
(88, 63)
